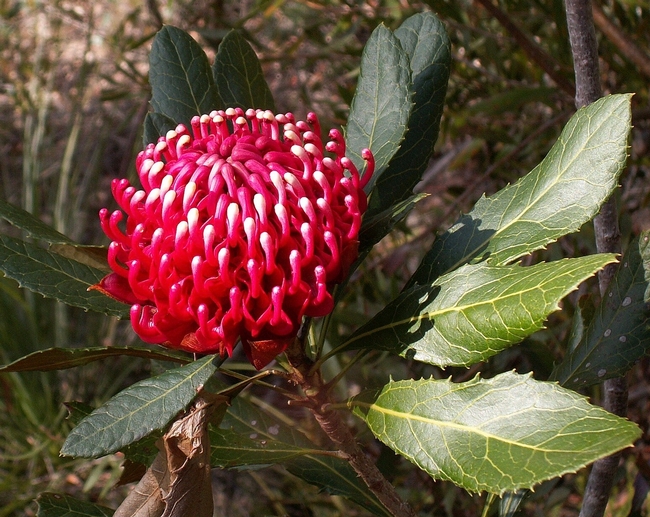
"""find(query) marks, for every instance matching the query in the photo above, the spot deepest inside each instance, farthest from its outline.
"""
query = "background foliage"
(73, 98)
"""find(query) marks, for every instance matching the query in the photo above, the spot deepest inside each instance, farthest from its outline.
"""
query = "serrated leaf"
(60, 505)
(62, 358)
(382, 102)
(474, 312)
(137, 455)
(425, 41)
(557, 197)
(155, 126)
(30, 224)
(504, 433)
(618, 334)
(180, 77)
(274, 441)
(238, 75)
(55, 276)
(137, 411)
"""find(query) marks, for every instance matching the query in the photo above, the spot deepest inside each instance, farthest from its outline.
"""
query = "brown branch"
(532, 49)
(585, 58)
(628, 48)
(311, 382)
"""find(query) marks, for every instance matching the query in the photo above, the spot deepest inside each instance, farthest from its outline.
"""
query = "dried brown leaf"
(146, 500)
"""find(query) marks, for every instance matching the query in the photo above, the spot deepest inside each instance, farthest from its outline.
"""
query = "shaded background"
(73, 96)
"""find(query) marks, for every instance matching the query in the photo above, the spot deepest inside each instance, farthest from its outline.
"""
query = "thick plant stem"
(585, 58)
(311, 382)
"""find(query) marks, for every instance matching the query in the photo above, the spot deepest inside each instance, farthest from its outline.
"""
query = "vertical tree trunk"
(584, 48)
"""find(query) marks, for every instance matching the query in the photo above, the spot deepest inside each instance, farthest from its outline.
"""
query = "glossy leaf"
(424, 39)
(493, 435)
(180, 77)
(474, 312)
(382, 102)
(138, 410)
(61, 505)
(262, 440)
(55, 276)
(30, 224)
(618, 334)
(155, 126)
(62, 358)
(557, 197)
(238, 75)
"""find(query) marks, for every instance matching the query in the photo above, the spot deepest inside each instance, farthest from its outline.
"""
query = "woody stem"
(312, 384)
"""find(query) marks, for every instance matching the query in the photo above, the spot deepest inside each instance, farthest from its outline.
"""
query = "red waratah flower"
(241, 228)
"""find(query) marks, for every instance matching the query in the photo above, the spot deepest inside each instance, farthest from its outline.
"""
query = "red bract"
(236, 233)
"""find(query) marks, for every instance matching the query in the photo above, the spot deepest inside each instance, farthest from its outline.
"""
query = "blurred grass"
(73, 95)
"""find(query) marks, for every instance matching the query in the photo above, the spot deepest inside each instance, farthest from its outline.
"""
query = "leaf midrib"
(456, 308)
(141, 408)
(25, 252)
(459, 427)
(530, 206)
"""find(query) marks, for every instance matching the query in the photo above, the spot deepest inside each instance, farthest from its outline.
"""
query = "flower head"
(243, 224)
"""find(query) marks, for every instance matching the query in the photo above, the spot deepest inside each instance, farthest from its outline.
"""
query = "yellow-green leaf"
(475, 311)
(493, 435)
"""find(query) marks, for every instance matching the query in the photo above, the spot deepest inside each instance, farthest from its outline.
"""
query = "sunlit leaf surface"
(556, 198)
(493, 435)
(474, 312)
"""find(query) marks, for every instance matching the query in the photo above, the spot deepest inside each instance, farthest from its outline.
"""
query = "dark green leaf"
(583, 313)
(77, 411)
(139, 454)
(474, 312)
(138, 410)
(155, 126)
(618, 334)
(336, 477)
(231, 448)
(425, 41)
(376, 227)
(510, 502)
(33, 226)
(180, 77)
(557, 197)
(62, 358)
(238, 75)
(55, 276)
(60, 505)
(382, 102)
(93, 256)
(265, 440)
(504, 433)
